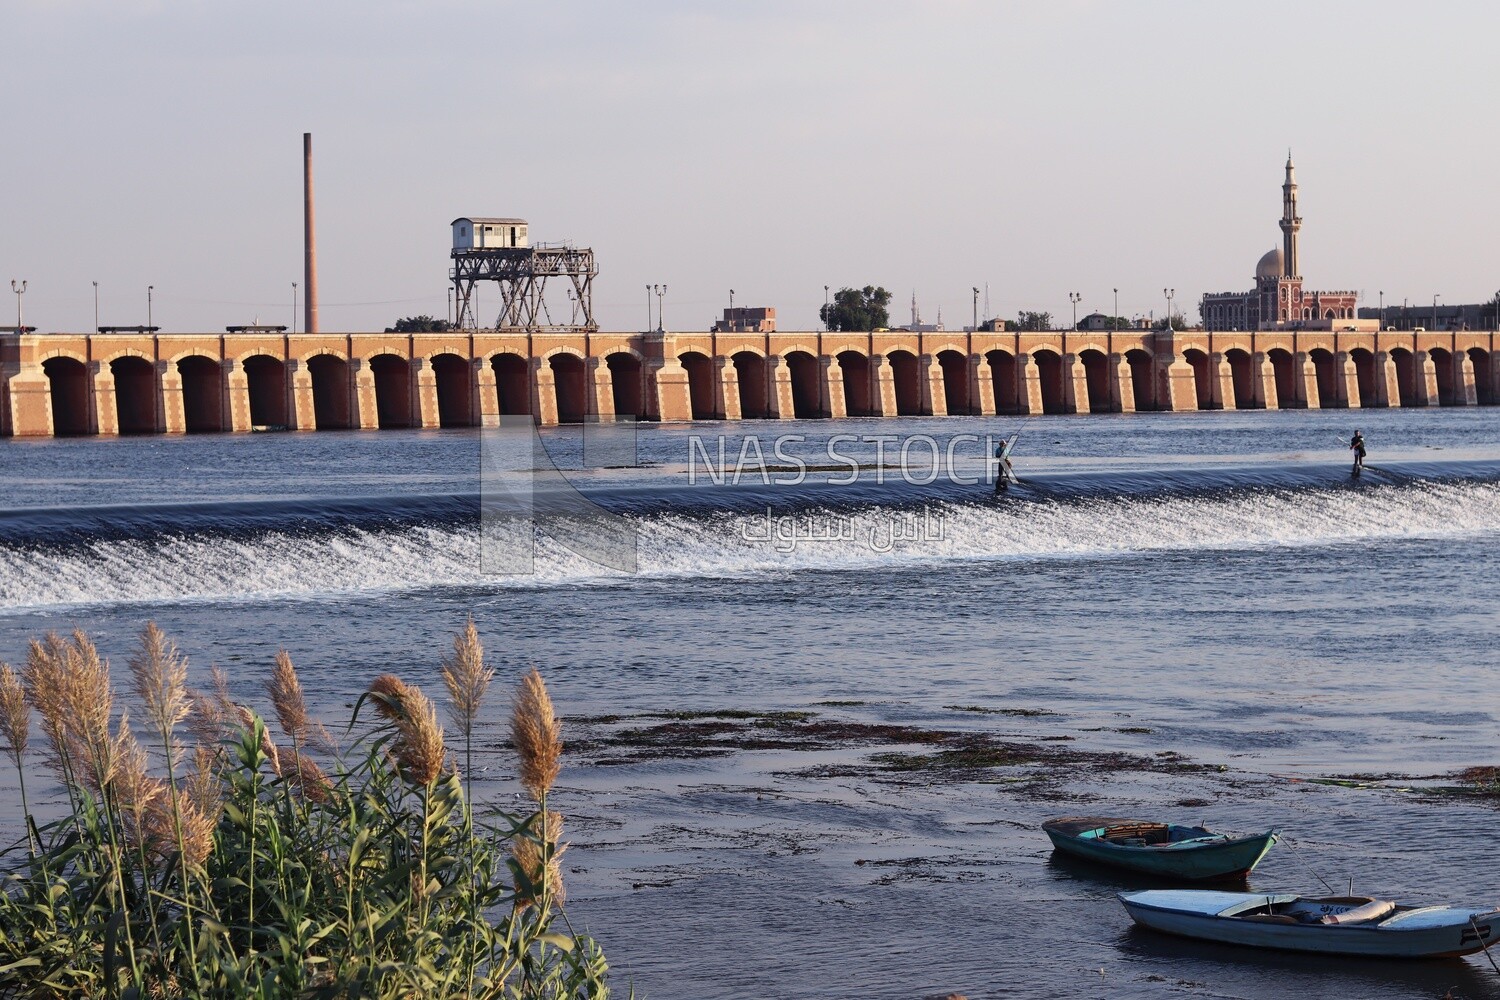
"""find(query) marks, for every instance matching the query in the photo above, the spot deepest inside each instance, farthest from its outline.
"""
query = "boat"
(1332, 925)
(1164, 849)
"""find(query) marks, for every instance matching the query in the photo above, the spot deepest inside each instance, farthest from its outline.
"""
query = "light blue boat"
(1166, 850)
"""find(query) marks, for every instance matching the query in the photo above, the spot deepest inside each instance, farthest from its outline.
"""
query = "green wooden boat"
(1190, 853)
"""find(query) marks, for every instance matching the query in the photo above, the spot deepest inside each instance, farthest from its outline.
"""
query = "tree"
(857, 309)
(1033, 322)
(1176, 321)
(419, 324)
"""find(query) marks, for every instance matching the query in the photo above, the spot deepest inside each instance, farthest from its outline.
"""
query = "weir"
(60, 384)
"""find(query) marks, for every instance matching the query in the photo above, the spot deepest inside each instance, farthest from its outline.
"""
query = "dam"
(59, 384)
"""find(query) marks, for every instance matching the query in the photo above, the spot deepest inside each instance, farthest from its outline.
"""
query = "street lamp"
(149, 290)
(1170, 293)
(1434, 312)
(20, 290)
(731, 309)
(826, 325)
(976, 310)
(1382, 309)
(1114, 318)
(649, 327)
(1074, 298)
(96, 307)
(294, 307)
(661, 323)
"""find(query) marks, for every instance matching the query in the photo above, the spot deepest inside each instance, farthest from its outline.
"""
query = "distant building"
(916, 325)
(1480, 316)
(477, 233)
(747, 319)
(1278, 298)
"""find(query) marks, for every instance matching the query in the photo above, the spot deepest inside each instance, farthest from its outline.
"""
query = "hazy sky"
(772, 148)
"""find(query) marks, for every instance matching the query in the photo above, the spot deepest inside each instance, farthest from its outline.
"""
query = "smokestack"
(310, 265)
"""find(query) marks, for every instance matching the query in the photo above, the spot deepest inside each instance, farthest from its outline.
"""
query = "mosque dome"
(1269, 266)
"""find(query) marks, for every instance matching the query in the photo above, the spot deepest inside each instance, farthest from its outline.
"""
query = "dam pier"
(60, 384)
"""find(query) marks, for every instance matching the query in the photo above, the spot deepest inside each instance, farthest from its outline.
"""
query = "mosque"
(1278, 300)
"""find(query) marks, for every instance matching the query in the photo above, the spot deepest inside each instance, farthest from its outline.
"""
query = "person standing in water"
(1357, 445)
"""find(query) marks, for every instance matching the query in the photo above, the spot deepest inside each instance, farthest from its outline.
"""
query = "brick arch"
(202, 379)
(744, 347)
(62, 352)
(603, 353)
(846, 348)
(256, 352)
(326, 351)
(794, 348)
(126, 352)
(68, 384)
(173, 359)
(564, 349)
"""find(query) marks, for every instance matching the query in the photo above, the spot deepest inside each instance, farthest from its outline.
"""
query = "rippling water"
(1207, 584)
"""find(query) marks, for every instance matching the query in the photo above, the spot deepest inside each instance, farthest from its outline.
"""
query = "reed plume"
(160, 673)
(139, 798)
(418, 747)
(285, 688)
(45, 680)
(467, 678)
(544, 873)
(15, 716)
(88, 704)
(267, 745)
(537, 734)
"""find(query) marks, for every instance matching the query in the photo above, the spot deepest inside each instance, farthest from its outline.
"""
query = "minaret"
(1291, 222)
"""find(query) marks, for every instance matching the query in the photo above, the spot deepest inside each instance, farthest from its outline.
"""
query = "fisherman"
(1003, 473)
(1357, 445)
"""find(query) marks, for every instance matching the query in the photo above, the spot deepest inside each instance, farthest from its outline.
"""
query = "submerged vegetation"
(238, 864)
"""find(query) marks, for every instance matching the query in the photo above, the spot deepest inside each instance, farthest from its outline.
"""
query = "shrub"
(238, 866)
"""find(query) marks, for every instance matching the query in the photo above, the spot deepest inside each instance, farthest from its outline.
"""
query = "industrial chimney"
(310, 265)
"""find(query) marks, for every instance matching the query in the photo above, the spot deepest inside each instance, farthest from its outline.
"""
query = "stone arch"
(202, 393)
(128, 352)
(68, 378)
(1329, 314)
(1049, 368)
(1288, 395)
(1096, 374)
(341, 356)
(329, 371)
(392, 374)
(700, 372)
(955, 367)
(1329, 374)
(1484, 376)
(857, 381)
(135, 392)
(570, 383)
(806, 397)
(455, 390)
(512, 384)
(1203, 386)
(1443, 364)
(1142, 384)
(265, 383)
(1406, 375)
(625, 382)
(750, 372)
(1245, 378)
(1003, 375)
(1364, 376)
(906, 374)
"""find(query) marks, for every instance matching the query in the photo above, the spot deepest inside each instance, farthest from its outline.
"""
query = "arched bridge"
(131, 383)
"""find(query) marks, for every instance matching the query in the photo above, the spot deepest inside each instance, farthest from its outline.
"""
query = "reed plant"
(207, 860)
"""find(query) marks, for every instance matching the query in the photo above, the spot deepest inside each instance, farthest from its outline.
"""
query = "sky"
(1029, 149)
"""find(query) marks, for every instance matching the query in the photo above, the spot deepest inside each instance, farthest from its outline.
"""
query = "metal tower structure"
(522, 273)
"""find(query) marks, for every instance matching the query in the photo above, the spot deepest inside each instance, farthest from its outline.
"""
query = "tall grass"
(217, 863)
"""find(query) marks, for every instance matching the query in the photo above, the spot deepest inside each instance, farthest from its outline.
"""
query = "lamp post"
(20, 290)
(149, 290)
(731, 309)
(294, 307)
(1114, 317)
(1382, 309)
(96, 307)
(661, 323)
(1434, 312)
(649, 327)
(450, 307)
(976, 309)
(1074, 298)
(1170, 293)
(826, 325)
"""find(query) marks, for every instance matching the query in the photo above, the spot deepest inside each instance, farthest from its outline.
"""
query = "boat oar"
(1483, 944)
(1309, 868)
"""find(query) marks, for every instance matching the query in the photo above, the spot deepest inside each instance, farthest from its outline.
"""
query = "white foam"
(290, 566)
